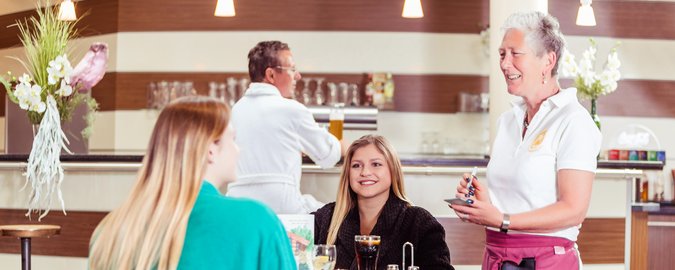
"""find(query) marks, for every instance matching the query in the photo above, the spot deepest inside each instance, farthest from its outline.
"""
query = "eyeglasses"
(292, 69)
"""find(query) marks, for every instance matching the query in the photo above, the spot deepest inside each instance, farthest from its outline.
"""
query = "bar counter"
(98, 183)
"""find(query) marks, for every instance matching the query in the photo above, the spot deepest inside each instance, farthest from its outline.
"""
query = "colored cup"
(651, 156)
(642, 155)
(623, 155)
(613, 154)
(661, 156)
(632, 155)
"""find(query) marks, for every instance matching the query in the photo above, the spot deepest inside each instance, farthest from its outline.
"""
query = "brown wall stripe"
(111, 16)
(627, 19)
(642, 98)
(414, 93)
(601, 239)
(101, 18)
(619, 19)
(441, 16)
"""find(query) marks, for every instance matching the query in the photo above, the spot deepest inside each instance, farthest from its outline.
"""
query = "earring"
(543, 78)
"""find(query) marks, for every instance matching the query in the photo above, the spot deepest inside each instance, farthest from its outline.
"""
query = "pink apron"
(550, 253)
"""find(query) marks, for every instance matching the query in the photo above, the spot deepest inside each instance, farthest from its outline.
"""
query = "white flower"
(39, 107)
(65, 89)
(590, 53)
(25, 79)
(569, 65)
(613, 61)
(59, 68)
(589, 82)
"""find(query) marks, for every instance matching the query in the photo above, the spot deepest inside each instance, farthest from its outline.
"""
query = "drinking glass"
(152, 95)
(336, 120)
(354, 89)
(344, 92)
(367, 248)
(324, 257)
(319, 94)
(332, 93)
(306, 97)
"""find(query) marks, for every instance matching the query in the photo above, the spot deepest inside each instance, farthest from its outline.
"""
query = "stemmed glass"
(324, 257)
(319, 95)
(306, 92)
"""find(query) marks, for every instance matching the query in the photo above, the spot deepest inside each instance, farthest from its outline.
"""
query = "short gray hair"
(542, 33)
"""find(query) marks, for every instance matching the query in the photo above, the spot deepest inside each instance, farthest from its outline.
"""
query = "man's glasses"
(292, 69)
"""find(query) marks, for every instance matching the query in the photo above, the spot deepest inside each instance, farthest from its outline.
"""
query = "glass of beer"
(324, 257)
(367, 248)
(336, 120)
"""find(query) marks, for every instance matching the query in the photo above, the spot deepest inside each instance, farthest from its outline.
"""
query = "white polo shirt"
(521, 174)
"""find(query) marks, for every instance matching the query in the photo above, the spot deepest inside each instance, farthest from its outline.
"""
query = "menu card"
(300, 230)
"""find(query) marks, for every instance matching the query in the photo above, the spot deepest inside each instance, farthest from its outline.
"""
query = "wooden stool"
(25, 233)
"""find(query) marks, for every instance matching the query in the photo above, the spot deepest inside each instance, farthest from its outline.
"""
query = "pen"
(473, 174)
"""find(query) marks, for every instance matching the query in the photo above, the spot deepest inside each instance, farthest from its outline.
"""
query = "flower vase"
(594, 112)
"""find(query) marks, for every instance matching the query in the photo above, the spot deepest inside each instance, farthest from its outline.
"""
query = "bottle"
(389, 89)
(392, 267)
(644, 191)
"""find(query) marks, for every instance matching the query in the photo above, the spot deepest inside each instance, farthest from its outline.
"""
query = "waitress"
(543, 162)
(272, 132)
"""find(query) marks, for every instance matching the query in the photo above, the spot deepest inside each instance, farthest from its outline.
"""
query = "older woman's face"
(520, 65)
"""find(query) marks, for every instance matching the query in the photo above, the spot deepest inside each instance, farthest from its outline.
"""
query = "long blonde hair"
(346, 197)
(149, 228)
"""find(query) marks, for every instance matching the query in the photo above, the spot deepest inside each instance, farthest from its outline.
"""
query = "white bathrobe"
(272, 132)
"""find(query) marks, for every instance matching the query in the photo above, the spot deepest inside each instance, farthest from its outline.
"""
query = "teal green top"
(232, 233)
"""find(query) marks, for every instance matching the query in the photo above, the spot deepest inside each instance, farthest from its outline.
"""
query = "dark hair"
(262, 56)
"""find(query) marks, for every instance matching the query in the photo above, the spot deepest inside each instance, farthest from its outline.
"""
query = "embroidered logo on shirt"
(536, 144)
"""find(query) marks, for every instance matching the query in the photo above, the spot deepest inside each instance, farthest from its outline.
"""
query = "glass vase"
(594, 112)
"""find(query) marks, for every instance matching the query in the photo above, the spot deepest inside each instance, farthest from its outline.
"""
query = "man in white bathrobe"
(272, 131)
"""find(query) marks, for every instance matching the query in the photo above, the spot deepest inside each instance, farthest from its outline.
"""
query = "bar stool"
(25, 233)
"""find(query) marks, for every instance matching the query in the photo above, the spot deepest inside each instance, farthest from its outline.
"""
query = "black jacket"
(398, 223)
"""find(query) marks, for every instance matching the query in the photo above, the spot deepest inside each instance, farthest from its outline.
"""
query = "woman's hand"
(477, 191)
(479, 212)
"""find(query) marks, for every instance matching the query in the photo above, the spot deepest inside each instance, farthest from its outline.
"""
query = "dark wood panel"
(643, 98)
(638, 241)
(601, 241)
(76, 230)
(435, 93)
(661, 242)
(101, 18)
(105, 92)
(414, 93)
(441, 16)
(466, 241)
(624, 19)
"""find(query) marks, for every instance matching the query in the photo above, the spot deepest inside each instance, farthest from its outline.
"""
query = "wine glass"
(324, 257)
(319, 95)
(306, 92)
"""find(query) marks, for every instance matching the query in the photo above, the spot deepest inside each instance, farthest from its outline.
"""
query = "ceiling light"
(67, 11)
(412, 9)
(585, 16)
(224, 8)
